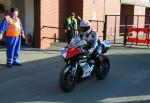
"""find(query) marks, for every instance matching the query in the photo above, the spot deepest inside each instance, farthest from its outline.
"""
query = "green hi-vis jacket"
(69, 23)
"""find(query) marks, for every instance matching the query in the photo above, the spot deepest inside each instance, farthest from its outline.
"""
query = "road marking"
(125, 99)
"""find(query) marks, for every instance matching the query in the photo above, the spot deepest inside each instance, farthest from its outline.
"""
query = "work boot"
(17, 64)
(9, 65)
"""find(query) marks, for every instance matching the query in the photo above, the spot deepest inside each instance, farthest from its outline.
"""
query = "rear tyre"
(102, 69)
(66, 81)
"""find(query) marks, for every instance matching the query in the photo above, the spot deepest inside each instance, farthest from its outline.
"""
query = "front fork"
(74, 69)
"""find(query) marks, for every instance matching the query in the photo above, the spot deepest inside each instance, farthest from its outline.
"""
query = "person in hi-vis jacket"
(12, 28)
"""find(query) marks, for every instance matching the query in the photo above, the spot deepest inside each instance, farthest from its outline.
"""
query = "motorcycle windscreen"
(72, 52)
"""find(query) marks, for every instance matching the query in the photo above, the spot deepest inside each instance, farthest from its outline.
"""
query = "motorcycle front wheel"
(66, 81)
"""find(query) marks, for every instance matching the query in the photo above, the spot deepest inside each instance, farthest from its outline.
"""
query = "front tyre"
(102, 69)
(66, 81)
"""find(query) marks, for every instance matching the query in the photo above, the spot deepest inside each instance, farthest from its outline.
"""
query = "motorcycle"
(80, 66)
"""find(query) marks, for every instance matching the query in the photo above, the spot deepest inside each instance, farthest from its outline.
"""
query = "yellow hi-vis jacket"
(69, 21)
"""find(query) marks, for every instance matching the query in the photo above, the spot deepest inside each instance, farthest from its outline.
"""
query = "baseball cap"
(13, 9)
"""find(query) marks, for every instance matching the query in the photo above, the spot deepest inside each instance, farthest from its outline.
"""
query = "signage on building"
(145, 3)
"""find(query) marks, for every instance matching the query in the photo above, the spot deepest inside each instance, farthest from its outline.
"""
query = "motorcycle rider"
(90, 38)
(92, 45)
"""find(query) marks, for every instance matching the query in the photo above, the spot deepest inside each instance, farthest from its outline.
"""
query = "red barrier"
(136, 39)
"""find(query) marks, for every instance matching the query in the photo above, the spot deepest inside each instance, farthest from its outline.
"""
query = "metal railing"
(121, 23)
(61, 28)
(54, 37)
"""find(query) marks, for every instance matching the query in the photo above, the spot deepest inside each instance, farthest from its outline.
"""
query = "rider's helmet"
(85, 26)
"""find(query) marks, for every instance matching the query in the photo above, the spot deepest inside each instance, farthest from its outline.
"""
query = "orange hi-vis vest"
(13, 28)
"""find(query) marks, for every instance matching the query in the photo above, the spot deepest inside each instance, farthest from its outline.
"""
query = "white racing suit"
(93, 44)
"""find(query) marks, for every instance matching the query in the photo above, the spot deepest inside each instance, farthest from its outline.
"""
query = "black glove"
(86, 52)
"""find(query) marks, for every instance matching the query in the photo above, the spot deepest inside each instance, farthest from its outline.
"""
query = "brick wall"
(53, 14)
(94, 10)
(49, 17)
(75, 6)
(96, 7)
(112, 7)
(62, 17)
(139, 11)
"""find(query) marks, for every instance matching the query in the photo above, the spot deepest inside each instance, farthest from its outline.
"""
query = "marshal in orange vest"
(13, 28)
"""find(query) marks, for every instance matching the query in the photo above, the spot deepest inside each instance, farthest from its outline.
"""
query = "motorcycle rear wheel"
(103, 68)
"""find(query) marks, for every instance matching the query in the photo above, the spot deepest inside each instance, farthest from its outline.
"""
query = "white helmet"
(85, 25)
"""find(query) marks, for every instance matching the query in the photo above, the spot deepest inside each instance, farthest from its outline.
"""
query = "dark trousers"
(70, 35)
